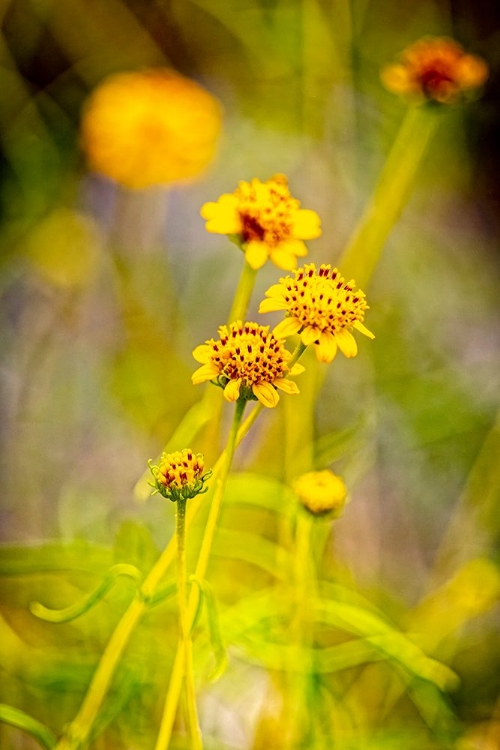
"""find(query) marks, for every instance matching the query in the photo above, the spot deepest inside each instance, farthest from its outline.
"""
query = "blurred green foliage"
(103, 295)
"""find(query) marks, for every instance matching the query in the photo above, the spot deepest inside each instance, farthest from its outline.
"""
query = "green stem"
(243, 294)
(303, 581)
(389, 196)
(175, 685)
(185, 631)
(79, 730)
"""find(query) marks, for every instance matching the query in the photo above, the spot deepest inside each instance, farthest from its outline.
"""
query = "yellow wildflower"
(266, 221)
(435, 69)
(321, 307)
(321, 493)
(150, 128)
(180, 474)
(248, 361)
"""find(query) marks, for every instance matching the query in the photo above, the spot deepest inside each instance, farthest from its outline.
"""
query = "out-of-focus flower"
(64, 248)
(321, 307)
(321, 493)
(435, 69)
(265, 220)
(248, 361)
(150, 128)
(180, 475)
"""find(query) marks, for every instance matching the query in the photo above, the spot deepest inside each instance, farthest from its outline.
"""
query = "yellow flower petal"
(270, 305)
(256, 254)
(295, 246)
(306, 224)
(224, 218)
(297, 369)
(232, 390)
(206, 372)
(396, 78)
(202, 353)
(287, 327)
(326, 349)
(283, 258)
(310, 335)
(276, 290)
(226, 202)
(346, 343)
(267, 395)
(363, 329)
(471, 71)
(288, 386)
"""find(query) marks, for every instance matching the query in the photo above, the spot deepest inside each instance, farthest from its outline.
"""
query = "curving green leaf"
(21, 720)
(75, 610)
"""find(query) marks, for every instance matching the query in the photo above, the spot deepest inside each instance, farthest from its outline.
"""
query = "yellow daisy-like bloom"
(321, 493)
(435, 69)
(150, 128)
(321, 307)
(180, 475)
(248, 361)
(266, 220)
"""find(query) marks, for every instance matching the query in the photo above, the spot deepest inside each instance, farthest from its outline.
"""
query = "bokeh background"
(104, 293)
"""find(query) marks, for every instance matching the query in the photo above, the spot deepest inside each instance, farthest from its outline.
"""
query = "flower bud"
(322, 493)
(179, 475)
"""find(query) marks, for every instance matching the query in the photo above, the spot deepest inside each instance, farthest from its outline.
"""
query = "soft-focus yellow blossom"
(266, 220)
(64, 248)
(180, 474)
(321, 307)
(150, 128)
(321, 493)
(248, 361)
(435, 69)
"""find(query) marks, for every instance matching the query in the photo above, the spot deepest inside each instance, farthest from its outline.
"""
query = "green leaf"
(260, 491)
(75, 610)
(17, 718)
(385, 638)
(253, 549)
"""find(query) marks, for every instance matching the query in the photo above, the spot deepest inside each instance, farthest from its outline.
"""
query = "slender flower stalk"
(303, 582)
(185, 630)
(243, 293)
(390, 195)
(78, 731)
(431, 74)
(174, 689)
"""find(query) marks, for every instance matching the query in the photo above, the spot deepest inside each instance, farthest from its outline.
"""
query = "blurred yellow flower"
(180, 474)
(321, 493)
(64, 248)
(266, 220)
(321, 307)
(150, 128)
(435, 69)
(248, 361)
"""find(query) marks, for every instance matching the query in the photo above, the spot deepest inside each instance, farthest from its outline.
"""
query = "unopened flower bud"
(179, 475)
(322, 493)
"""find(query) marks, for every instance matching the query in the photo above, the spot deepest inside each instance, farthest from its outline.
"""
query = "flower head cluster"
(248, 361)
(321, 307)
(435, 69)
(180, 475)
(321, 493)
(266, 220)
(150, 128)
